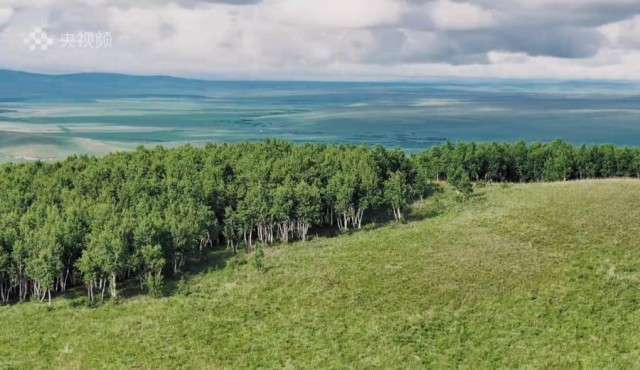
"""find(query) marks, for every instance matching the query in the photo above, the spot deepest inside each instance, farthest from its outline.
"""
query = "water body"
(51, 117)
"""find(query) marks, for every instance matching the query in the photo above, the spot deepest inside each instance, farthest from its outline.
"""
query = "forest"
(148, 214)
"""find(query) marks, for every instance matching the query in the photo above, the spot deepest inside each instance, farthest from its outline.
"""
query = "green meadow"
(543, 275)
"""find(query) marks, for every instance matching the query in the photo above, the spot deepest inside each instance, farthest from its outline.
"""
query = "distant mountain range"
(17, 86)
(22, 85)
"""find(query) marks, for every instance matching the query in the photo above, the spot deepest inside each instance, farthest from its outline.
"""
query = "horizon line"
(418, 80)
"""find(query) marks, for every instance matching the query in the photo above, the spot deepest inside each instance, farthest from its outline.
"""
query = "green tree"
(308, 208)
(559, 166)
(459, 179)
(151, 264)
(107, 254)
(396, 193)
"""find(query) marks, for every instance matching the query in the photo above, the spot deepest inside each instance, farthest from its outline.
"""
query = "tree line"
(149, 213)
(520, 162)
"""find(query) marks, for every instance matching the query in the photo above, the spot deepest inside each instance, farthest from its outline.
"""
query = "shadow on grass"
(210, 260)
(213, 260)
(378, 219)
(432, 206)
(420, 210)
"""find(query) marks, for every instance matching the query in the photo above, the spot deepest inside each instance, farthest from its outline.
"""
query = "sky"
(326, 39)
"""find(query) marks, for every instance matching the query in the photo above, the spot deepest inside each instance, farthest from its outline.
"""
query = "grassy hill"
(540, 275)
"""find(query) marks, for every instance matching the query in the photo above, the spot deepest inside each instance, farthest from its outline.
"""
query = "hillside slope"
(544, 275)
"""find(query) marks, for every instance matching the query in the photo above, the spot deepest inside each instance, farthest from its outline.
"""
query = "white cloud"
(571, 3)
(450, 15)
(5, 15)
(335, 13)
(625, 34)
(335, 39)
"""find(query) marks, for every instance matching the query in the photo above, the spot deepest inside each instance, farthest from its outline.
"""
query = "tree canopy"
(151, 212)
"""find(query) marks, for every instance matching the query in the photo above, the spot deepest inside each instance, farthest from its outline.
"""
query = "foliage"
(397, 193)
(152, 213)
(152, 262)
(459, 179)
(258, 259)
(155, 285)
(521, 162)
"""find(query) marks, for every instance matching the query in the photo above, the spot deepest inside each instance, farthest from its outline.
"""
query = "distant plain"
(51, 117)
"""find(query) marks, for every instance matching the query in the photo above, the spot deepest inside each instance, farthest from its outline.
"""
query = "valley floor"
(539, 275)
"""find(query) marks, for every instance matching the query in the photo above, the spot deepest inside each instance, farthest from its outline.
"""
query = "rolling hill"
(538, 275)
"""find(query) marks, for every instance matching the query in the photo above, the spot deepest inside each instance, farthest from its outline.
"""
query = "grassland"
(540, 275)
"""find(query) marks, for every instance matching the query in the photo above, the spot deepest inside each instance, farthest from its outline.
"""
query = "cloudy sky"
(329, 39)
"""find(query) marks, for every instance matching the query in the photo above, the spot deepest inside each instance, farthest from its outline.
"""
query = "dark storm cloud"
(563, 29)
(561, 42)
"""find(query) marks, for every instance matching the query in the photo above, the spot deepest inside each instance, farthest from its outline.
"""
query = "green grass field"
(541, 275)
